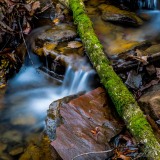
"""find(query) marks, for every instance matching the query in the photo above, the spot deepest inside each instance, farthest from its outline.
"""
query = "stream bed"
(24, 105)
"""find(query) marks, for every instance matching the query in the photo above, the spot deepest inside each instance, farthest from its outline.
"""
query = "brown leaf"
(74, 44)
(35, 6)
(124, 157)
(27, 29)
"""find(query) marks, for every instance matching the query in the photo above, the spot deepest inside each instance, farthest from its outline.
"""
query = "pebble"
(24, 120)
(3, 146)
(4, 156)
(12, 136)
(16, 151)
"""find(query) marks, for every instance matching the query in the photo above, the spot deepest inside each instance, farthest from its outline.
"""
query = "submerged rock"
(153, 49)
(5, 156)
(12, 136)
(16, 150)
(84, 124)
(24, 120)
(113, 37)
(114, 14)
(3, 146)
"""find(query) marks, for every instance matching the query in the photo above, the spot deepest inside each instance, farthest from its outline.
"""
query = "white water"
(31, 92)
(150, 4)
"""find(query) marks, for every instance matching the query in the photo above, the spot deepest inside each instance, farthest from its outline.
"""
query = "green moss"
(123, 100)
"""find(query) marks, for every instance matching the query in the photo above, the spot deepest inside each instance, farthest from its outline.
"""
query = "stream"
(28, 96)
(30, 92)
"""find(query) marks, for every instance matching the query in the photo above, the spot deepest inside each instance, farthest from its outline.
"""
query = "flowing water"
(30, 92)
(28, 97)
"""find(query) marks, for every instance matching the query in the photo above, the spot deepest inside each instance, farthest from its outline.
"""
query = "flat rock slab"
(88, 125)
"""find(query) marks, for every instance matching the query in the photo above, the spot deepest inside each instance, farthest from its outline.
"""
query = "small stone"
(153, 49)
(23, 120)
(3, 146)
(4, 156)
(151, 70)
(16, 151)
(12, 136)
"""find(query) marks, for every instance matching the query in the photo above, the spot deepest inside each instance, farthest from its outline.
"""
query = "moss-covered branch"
(124, 102)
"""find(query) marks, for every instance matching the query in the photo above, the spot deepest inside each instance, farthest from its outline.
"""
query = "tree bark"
(123, 100)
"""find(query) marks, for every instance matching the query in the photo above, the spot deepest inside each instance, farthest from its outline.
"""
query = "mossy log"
(123, 100)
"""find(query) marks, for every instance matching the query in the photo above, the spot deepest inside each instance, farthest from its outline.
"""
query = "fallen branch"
(123, 100)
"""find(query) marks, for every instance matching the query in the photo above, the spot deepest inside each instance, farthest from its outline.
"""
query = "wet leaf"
(35, 6)
(124, 157)
(27, 29)
(74, 44)
(134, 80)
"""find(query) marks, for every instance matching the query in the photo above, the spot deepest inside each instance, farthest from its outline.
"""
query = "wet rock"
(153, 49)
(95, 3)
(61, 32)
(114, 14)
(4, 156)
(113, 37)
(40, 150)
(24, 120)
(63, 55)
(12, 136)
(16, 150)
(88, 125)
(150, 102)
(3, 146)
(91, 10)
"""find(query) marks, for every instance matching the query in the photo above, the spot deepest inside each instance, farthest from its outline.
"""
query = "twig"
(25, 42)
(99, 152)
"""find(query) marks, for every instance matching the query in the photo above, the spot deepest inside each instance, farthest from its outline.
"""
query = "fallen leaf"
(27, 29)
(35, 6)
(74, 44)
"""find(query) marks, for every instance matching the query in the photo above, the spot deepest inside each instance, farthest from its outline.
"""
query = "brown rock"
(150, 102)
(87, 126)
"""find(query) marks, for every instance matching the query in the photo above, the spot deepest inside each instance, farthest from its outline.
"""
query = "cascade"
(148, 4)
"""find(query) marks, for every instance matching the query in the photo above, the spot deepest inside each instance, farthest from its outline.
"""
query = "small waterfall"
(149, 4)
(76, 81)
